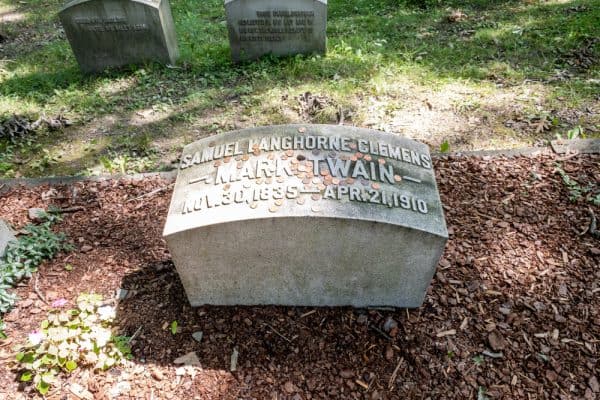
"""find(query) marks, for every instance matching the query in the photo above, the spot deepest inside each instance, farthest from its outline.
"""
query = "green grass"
(505, 60)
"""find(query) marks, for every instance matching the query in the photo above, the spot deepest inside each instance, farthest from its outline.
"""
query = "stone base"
(306, 262)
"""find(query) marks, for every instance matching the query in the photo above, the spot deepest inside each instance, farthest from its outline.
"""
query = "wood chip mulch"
(512, 313)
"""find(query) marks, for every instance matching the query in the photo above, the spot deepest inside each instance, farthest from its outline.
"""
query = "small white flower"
(106, 313)
(36, 337)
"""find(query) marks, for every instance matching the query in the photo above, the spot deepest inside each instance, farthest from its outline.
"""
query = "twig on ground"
(153, 192)
(135, 334)
(66, 210)
(382, 333)
(486, 216)
(492, 355)
(568, 156)
(37, 291)
(362, 383)
(277, 333)
(395, 374)
(306, 314)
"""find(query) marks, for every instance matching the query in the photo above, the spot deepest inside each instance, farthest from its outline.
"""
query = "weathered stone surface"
(315, 215)
(576, 145)
(113, 33)
(259, 27)
(6, 235)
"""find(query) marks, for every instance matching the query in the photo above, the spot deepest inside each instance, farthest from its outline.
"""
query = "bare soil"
(512, 313)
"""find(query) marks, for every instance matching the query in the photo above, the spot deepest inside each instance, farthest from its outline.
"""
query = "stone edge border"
(584, 146)
(65, 180)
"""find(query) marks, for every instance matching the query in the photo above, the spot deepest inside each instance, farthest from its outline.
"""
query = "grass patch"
(384, 58)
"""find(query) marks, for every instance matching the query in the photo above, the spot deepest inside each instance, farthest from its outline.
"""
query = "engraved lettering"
(186, 161)
(383, 149)
(346, 144)
(330, 193)
(225, 173)
(363, 146)
(405, 155)
(281, 168)
(275, 144)
(278, 193)
(264, 169)
(207, 155)
(386, 173)
(247, 171)
(426, 161)
(228, 150)
(292, 192)
(359, 170)
(355, 194)
(322, 143)
(415, 158)
(286, 143)
(338, 167)
(422, 206)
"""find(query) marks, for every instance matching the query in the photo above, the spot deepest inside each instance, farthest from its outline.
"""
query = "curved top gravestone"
(306, 215)
(259, 27)
(113, 33)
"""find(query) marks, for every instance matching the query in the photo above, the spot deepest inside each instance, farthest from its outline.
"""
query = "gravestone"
(6, 236)
(259, 27)
(113, 33)
(315, 215)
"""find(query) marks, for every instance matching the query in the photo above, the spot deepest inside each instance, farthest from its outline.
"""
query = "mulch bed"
(513, 311)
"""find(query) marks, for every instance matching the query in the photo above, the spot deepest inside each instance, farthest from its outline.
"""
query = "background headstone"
(113, 33)
(258, 27)
(315, 215)
(6, 235)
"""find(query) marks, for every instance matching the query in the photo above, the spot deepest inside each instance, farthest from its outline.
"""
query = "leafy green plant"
(574, 133)
(591, 192)
(174, 327)
(126, 163)
(572, 185)
(445, 146)
(122, 344)
(45, 161)
(69, 339)
(23, 256)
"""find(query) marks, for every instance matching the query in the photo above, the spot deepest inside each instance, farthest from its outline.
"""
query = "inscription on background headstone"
(315, 215)
(259, 27)
(113, 33)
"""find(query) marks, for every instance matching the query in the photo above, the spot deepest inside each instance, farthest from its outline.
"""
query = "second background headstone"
(259, 27)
